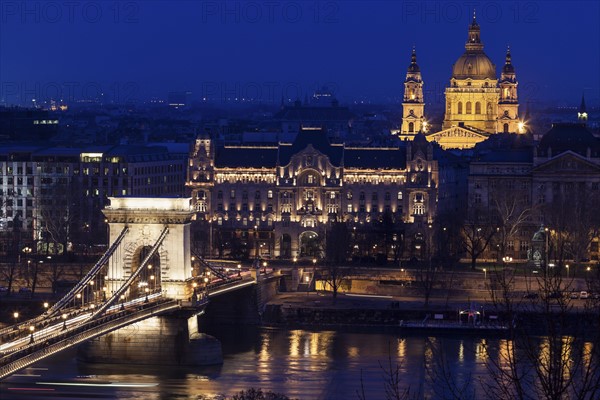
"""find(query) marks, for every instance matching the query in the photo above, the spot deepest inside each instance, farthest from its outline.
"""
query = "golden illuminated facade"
(477, 103)
(278, 198)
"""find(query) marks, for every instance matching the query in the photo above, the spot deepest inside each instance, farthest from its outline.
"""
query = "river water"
(303, 364)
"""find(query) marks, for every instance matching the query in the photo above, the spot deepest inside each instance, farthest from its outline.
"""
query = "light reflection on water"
(299, 363)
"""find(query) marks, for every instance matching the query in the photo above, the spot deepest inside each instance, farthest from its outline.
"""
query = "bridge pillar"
(146, 218)
(165, 340)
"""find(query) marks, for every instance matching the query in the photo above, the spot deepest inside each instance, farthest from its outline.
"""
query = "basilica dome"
(474, 65)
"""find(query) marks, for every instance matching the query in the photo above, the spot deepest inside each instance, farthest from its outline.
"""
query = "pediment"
(568, 162)
(455, 132)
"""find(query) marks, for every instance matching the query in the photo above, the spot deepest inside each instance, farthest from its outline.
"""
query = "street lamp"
(147, 290)
(31, 329)
(79, 296)
(46, 305)
(16, 317)
(567, 266)
(153, 282)
(264, 267)
(64, 318)
(239, 268)
(484, 274)
(546, 232)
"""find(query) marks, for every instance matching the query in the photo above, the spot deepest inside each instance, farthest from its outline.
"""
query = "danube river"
(303, 364)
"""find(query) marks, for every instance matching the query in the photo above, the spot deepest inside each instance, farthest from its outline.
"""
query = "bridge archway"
(146, 219)
(149, 279)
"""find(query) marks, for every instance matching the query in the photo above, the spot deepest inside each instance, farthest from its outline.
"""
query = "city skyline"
(266, 51)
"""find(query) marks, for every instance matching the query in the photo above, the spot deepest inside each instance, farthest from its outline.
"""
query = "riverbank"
(320, 310)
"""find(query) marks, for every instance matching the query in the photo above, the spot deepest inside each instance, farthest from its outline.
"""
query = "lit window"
(349, 208)
(399, 195)
(270, 194)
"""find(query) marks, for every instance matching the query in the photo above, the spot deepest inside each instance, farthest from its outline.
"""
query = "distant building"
(179, 99)
(335, 119)
(556, 182)
(22, 124)
(59, 191)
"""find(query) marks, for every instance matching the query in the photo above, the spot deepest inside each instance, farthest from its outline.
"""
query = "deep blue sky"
(265, 49)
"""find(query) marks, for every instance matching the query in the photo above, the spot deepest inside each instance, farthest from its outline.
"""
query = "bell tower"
(508, 105)
(413, 105)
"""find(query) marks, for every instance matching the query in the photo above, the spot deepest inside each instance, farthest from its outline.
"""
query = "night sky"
(263, 50)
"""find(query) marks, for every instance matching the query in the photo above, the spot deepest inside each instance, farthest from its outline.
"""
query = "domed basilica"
(477, 103)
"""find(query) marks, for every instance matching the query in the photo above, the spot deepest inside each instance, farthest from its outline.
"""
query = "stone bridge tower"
(146, 219)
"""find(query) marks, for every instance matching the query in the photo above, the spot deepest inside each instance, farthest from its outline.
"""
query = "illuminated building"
(283, 195)
(477, 103)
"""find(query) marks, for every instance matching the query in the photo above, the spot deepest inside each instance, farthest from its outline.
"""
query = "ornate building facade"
(278, 199)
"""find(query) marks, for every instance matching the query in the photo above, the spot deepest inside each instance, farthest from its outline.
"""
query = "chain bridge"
(148, 271)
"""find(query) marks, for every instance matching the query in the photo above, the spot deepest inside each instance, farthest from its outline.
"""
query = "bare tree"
(59, 215)
(573, 219)
(395, 388)
(337, 250)
(477, 233)
(512, 211)
(426, 275)
(551, 352)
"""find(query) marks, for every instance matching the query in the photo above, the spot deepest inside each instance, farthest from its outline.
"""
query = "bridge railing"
(86, 331)
(10, 332)
(206, 264)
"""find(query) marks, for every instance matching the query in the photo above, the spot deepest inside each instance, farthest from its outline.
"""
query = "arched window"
(411, 127)
(460, 107)
(468, 107)
(478, 108)
(505, 128)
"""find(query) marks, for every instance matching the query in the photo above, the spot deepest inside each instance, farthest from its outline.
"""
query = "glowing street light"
(567, 266)
(31, 329)
(64, 318)
(46, 305)
(485, 274)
